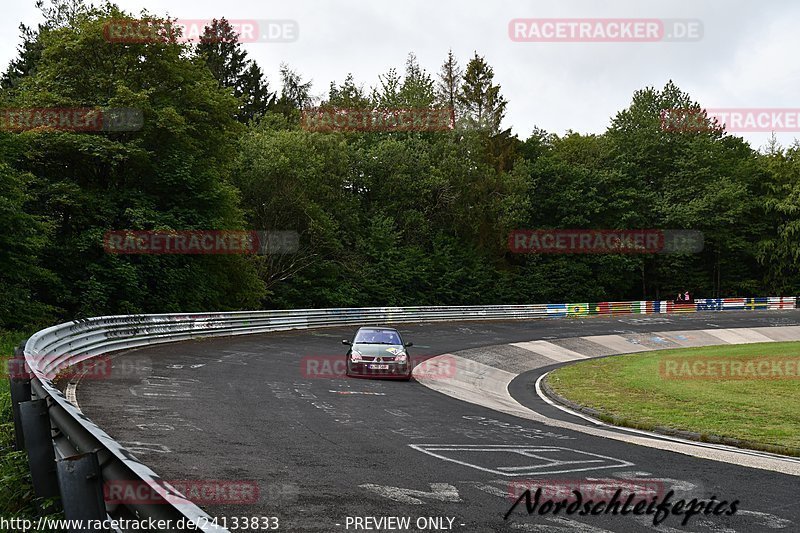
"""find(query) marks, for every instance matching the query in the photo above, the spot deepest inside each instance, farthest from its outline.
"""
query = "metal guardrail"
(58, 347)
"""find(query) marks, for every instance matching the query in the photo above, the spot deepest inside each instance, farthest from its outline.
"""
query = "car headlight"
(355, 356)
(401, 358)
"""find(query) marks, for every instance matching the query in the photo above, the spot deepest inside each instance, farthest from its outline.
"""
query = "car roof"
(372, 328)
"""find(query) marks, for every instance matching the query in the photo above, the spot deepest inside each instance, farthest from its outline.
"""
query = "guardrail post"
(39, 445)
(20, 392)
(20, 387)
(81, 483)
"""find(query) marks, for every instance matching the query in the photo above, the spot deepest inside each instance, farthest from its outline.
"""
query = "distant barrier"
(653, 307)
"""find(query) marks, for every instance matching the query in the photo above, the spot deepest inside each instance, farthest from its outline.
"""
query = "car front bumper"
(376, 370)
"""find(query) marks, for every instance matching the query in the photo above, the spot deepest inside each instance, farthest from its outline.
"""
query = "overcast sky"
(747, 57)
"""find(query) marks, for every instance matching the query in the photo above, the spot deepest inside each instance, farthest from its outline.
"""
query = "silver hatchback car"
(378, 352)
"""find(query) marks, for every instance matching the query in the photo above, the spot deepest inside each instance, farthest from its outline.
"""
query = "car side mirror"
(409, 344)
(345, 341)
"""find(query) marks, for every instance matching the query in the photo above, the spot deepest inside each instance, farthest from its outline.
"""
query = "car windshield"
(377, 336)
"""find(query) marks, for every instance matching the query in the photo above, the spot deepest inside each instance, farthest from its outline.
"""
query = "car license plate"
(379, 367)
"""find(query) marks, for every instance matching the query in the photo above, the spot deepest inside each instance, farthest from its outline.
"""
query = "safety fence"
(71, 457)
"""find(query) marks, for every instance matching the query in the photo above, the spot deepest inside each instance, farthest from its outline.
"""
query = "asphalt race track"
(323, 449)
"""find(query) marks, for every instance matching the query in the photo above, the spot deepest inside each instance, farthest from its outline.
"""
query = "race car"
(378, 352)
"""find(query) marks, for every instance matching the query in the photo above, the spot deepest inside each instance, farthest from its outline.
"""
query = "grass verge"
(633, 390)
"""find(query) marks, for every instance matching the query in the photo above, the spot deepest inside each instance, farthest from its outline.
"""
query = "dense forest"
(384, 218)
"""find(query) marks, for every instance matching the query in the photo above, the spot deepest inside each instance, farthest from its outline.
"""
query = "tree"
(295, 94)
(417, 89)
(779, 251)
(298, 181)
(573, 185)
(170, 174)
(57, 14)
(29, 52)
(219, 47)
(347, 95)
(448, 87)
(483, 106)
(387, 94)
(23, 237)
(696, 179)
(253, 90)
(61, 13)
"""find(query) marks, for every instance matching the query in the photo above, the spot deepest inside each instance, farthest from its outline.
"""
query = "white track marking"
(566, 526)
(145, 447)
(71, 392)
(442, 492)
(541, 463)
(769, 520)
(72, 396)
(155, 426)
(494, 491)
(663, 527)
(565, 409)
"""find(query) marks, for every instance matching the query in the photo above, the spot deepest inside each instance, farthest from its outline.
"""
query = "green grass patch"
(629, 390)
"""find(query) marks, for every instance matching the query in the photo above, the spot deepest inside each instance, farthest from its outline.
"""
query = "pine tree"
(448, 87)
(482, 104)
(417, 89)
(253, 90)
(220, 49)
(347, 95)
(29, 53)
(295, 94)
(388, 94)
(58, 14)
